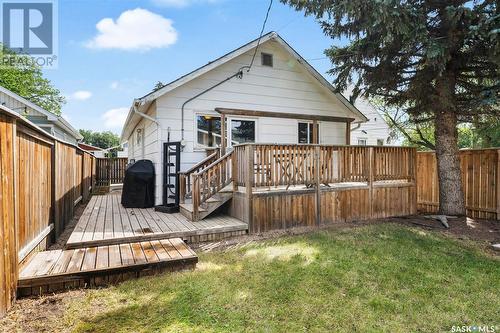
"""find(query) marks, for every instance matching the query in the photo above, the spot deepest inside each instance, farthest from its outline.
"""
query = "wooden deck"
(106, 222)
(63, 269)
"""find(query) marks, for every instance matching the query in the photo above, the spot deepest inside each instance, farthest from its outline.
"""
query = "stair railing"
(211, 180)
(185, 177)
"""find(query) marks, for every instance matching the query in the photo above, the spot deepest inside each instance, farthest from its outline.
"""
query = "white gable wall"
(372, 130)
(148, 148)
(286, 87)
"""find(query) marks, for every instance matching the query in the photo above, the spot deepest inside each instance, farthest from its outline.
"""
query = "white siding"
(149, 149)
(375, 128)
(36, 117)
(286, 87)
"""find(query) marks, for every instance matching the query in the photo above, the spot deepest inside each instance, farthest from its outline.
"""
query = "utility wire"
(260, 36)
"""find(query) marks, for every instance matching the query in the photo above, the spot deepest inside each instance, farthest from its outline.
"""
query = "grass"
(376, 278)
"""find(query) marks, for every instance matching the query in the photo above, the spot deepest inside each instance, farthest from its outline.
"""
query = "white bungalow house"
(281, 99)
(49, 122)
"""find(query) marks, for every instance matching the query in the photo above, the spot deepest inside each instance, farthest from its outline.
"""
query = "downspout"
(356, 127)
(158, 139)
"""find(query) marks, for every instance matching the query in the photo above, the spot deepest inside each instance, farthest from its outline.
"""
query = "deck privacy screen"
(138, 185)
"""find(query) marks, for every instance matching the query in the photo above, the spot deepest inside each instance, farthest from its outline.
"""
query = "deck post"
(369, 162)
(347, 133)
(182, 187)
(315, 132)
(249, 184)
(196, 196)
(317, 175)
(234, 170)
(222, 134)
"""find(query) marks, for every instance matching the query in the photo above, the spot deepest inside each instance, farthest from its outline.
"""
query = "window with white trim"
(242, 131)
(208, 131)
(380, 142)
(361, 142)
(306, 132)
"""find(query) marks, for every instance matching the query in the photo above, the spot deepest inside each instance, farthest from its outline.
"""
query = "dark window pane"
(208, 129)
(242, 131)
(303, 136)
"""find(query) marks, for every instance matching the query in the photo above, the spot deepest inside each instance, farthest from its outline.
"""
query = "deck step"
(50, 271)
(209, 206)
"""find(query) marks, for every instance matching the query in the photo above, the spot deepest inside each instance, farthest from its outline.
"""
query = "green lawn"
(376, 278)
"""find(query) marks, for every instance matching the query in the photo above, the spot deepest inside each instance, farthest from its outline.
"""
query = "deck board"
(103, 263)
(106, 222)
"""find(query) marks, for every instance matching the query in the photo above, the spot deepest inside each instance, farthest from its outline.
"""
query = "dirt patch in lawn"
(40, 314)
(485, 231)
(462, 228)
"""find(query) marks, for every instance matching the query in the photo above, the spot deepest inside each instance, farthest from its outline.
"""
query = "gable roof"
(58, 120)
(152, 96)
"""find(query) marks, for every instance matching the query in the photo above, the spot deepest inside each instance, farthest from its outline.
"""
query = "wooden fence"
(110, 171)
(480, 179)
(41, 180)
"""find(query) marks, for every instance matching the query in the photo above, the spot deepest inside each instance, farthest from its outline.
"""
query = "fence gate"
(171, 168)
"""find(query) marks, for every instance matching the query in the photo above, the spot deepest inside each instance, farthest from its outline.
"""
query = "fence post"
(317, 175)
(371, 160)
(498, 184)
(249, 184)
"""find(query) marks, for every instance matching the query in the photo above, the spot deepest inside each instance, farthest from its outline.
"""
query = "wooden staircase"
(209, 206)
(205, 187)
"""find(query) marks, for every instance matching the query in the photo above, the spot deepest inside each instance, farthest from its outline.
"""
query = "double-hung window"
(306, 132)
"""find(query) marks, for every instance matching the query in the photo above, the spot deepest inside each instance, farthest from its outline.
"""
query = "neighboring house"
(374, 132)
(280, 100)
(96, 151)
(46, 120)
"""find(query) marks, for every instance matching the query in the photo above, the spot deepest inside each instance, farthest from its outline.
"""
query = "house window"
(380, 142)
(306, 132)
(242, 131)
(361, 142)
(208, 131)
(267, 59)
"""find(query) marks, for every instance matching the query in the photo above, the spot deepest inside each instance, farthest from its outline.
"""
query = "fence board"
(40, 180)
(480, 180)
(110, 171)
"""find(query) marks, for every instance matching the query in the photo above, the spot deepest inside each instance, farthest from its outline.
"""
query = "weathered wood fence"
(110, 171)
(480, 179)
(41, 181)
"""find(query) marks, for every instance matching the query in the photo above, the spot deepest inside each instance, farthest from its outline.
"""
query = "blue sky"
(102, 68)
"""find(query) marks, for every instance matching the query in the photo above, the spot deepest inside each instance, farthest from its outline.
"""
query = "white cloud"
(80, 95)
(134, 30)
(182, 3)
(114, 85)
(115, 118)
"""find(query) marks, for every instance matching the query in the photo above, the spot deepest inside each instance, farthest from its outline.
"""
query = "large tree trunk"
(451, 197)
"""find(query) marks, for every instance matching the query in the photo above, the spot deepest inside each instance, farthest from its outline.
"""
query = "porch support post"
(222, 135)
(250, 169)
(347, 133)
(315, 132)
